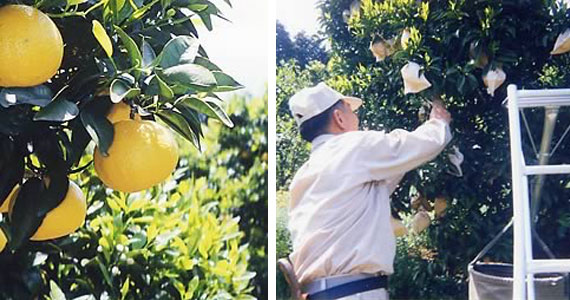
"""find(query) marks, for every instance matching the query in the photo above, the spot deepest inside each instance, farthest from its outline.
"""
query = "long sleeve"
(387, 156)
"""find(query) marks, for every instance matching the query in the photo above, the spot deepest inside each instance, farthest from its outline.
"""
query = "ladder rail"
(527, 227)
(519, 260)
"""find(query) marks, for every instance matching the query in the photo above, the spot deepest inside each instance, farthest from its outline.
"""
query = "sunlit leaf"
(102, 37)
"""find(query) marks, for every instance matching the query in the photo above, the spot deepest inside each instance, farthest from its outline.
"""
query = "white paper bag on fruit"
(398, 227)
(562, 44)
(382, 48)
(493, 80)
(420, 222)
(405, 38)
(456, 159)
(348, 13)
(413, 81)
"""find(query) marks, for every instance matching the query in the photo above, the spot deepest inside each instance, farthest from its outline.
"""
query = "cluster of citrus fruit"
(143, 153)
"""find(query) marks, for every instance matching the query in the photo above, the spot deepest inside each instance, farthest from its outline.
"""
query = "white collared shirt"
(339, 212)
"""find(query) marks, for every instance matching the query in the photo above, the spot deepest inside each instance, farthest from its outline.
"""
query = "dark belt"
(351, 288)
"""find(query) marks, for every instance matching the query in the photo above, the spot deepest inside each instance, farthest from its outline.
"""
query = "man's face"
(350, 117)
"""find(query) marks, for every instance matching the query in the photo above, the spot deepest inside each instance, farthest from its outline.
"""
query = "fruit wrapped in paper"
(420, 222)
(382, 48)
(562, 44)
(493, 80)
(413, 81)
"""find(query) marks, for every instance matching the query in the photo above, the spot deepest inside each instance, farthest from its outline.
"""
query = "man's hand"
(439, 112)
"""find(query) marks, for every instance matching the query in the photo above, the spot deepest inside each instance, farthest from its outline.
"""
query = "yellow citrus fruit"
(143, 154)
(420, 222)
(6, 205)
(3, 240)
(119, 112)
(440, 205)
(31, 47)
(65, 218)
(398, 227)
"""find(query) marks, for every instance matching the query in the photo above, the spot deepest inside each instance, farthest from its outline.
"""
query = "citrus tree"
(398, 56)
(200, 235)
(123, 76)
(139, 62)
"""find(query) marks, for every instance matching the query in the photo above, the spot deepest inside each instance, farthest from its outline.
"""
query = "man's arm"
(389, 156)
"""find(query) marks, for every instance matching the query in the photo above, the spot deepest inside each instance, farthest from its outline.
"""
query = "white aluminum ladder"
(525, 266)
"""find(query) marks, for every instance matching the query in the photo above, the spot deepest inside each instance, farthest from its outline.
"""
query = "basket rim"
(471, 270)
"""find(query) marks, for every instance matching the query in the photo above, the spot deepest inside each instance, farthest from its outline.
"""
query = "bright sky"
(240, 48)
(298, 15)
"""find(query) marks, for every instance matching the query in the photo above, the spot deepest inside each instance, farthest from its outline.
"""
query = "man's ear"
(338, 119)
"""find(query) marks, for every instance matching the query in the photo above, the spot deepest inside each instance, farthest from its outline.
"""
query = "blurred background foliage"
(449, 41)
(302, 48)
(200, 235)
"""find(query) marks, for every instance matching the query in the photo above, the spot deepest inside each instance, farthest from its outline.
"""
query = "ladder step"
(543, 93)
(547, 169)
(544, 101)
(549, 266)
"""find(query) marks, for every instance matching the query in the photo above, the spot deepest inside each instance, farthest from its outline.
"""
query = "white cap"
(312, 101)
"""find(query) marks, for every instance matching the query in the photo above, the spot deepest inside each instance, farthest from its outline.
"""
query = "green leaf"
(55, 292)
(125, 288)
(98, 126)
(197, 7)
(137, 241)
(206, 63)
(190, 75)
(102, 37)
(206, 19)
(105, 272)
(12, 166)
(161, 86)
(211, 108)
(191, 117)
(148, 55)
(177, 122)
(53, 194)
(139, 13)
(113, 11)
(75, 2)
(192, 286)
(79, 140)
(39, 95)
(119, 90)
(179, 50)
(59, 110)
(132, 48)
(461, 84)
(24, 216)
(225, 82)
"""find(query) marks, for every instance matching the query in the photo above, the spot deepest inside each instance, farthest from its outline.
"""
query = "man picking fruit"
(339, 214)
